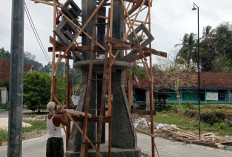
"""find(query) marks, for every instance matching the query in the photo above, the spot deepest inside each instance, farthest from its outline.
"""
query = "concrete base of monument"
(115, 152)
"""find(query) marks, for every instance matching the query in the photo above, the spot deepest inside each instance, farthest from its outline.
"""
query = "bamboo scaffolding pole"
(125, 10)
(99, 135)
(135, 17)
(76, 125)
(53, 82)
(151, 86)
(146, 20)
(47, 3)
(82, 29)
(146, 69)
(84, 145)
(67, 98)
(141, 21)
(102, 17)
(110, 78)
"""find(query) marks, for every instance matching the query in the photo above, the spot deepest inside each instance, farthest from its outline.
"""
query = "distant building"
(215, 87)
(4, 78)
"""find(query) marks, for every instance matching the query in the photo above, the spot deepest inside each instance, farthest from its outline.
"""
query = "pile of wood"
(208, 139)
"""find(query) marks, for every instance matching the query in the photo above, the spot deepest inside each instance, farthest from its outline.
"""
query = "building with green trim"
(215, 87)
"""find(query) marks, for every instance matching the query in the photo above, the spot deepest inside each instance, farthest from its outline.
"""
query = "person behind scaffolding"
(55, 146)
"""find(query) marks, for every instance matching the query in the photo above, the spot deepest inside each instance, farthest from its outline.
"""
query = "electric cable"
(36, 33)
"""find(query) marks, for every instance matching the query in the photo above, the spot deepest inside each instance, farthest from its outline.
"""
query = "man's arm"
(64, 119)
(60, 118)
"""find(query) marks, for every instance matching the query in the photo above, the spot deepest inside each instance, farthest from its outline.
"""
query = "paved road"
(36, 148)
(168, 148)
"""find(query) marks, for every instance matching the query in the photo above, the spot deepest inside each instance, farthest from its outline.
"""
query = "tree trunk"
(178, 96)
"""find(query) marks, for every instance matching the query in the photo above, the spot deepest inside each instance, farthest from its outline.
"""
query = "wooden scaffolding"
(136, 44)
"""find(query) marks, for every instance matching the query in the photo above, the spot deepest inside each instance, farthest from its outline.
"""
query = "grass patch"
(3, 135)
(3, 106)
(191, 124)
(36, 125)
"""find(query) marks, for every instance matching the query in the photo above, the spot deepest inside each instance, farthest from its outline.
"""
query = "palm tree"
(188, 51)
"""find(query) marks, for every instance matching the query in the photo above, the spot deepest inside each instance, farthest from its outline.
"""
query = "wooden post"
(84, 146)
(109, 85)
(53, 84)
(151, 88)
(68, 94)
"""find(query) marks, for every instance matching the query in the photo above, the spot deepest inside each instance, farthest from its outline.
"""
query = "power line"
(36, 33)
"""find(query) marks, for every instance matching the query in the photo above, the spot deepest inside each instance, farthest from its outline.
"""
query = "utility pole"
(16, 80)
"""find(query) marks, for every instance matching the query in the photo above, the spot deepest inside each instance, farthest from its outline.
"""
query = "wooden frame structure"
(132, 18)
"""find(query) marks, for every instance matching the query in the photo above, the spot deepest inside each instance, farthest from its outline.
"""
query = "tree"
(37, 87)
(216, 48)
(4, 55)
(187, 53)
(36, 90)
(30, 59)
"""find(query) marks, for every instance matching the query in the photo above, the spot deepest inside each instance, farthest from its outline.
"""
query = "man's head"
(51, 106)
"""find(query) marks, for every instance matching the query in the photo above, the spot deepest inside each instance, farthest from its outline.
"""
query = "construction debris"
(173, 132)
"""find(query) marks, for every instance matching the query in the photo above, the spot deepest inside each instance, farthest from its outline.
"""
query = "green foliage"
(36, 89)
(189, 105)
(3, 135)
(213, 117)
(191, 123)
(139, 71)
(222, 125)
(36, 125)
(4, 55)
(30, 59)
(176, 108)
(188, 51)
(61, 88)
(3, 106)
(215, 49)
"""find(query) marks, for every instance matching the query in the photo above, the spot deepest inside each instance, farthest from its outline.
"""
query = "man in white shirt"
(55, 146)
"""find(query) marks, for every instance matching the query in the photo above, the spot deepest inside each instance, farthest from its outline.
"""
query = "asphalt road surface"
(36, 148)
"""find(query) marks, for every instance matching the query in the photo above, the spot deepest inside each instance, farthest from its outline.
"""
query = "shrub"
(3, 135)
(222, 125)
(212, 117)
(176, 108)
(189, 105)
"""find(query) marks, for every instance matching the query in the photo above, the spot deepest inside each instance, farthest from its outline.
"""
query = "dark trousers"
(55, 147)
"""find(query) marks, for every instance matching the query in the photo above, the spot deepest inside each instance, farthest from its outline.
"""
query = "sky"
(170, 20)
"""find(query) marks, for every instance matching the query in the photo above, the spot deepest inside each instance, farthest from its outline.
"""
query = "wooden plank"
(58, 55)
(137, 47)
(133, 9)
(88, 48)
(47, 3)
